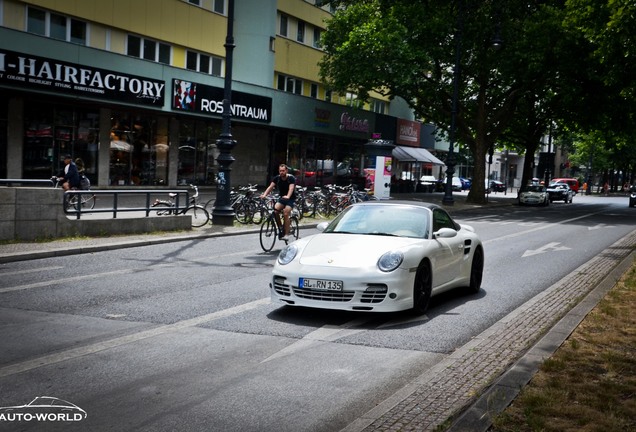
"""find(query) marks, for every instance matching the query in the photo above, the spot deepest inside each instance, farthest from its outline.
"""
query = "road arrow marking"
(602, 225)
(547, 248)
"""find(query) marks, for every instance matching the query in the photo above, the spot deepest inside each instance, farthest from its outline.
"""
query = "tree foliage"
(559, 63)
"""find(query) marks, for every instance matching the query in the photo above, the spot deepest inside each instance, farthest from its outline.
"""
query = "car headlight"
(390, 261)
(287, 254)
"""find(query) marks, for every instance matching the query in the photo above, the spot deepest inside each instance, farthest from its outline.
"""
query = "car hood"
(351, 250)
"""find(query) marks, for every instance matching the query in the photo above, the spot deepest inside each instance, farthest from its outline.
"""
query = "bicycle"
(75, 201)
(270, 229)
(198, 213)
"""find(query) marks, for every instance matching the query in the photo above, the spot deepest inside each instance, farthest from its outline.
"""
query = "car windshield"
(382, 220)
(558, 186)
(533, 189)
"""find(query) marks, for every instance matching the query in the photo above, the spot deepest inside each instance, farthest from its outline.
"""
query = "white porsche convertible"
(380, 256)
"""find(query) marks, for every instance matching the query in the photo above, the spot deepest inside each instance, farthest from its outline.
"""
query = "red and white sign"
(408, 133)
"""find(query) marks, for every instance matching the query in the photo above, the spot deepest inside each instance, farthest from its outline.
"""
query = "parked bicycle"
(199, 214)
(76, 201)
(247, 206)
(271, 229)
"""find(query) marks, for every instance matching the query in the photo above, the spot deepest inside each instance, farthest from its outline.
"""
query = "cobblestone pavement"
(480, 378)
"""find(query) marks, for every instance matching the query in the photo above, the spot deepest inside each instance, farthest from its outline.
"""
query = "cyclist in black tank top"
(286, 184)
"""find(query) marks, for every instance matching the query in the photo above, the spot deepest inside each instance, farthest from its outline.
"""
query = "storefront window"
(197, 153)
(51, 131)
(138, 150)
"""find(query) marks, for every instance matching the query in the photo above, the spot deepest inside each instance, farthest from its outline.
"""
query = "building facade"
(135, 87)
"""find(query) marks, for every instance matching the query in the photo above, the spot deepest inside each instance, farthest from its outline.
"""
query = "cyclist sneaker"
(284, 238)
(281, 234)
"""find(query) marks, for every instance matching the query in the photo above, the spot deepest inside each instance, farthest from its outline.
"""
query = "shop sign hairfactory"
(21, 70)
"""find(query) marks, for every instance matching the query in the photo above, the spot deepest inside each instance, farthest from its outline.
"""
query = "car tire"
(476, 271)
(422, 288)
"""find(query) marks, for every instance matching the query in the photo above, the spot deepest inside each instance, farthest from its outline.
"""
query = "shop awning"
(415, 154)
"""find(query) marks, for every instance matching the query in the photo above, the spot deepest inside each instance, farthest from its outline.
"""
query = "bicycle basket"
(85, 183)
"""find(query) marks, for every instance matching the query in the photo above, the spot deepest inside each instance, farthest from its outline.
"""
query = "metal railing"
(27, 182)
(181, 200)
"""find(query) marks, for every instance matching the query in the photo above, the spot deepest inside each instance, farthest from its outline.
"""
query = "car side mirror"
(445, 233)
(322, 226)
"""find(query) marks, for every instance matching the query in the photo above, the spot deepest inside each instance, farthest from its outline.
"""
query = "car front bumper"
(385, 292)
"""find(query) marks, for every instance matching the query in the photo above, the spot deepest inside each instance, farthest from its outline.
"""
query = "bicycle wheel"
(200, 216)
(71, 202)
(242, 213)
(88, 202)
(259, 212)
(293, 228)
(268, 234)
(308, 208)
(163, 209)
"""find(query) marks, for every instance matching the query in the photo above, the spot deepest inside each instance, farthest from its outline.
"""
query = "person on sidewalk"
(286, 184)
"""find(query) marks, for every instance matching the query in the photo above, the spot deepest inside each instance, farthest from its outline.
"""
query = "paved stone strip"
(457, 381)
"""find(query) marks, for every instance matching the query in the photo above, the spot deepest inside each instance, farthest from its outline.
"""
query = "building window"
(317, 34)
(148, 49)
(289, 84)
(300, 34)
(56, 26)
(204, 63)
(36, 21)
(351, 99)
(378, 106)
(219, 6)
(283, 25)
(314, 90)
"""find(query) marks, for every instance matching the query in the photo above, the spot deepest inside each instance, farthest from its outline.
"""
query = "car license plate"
(320, 284)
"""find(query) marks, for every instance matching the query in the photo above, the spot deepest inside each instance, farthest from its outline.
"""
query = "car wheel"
(422, 288)
(476, 271)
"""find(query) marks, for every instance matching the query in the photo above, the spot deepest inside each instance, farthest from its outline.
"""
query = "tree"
(407, 48)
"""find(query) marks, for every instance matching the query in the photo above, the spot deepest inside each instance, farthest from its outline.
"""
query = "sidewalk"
(476, 381)
(18, 251)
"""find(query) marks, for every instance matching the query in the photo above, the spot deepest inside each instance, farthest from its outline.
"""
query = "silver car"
(533, 195)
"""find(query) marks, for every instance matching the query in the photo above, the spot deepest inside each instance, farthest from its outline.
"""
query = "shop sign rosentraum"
(201, 98)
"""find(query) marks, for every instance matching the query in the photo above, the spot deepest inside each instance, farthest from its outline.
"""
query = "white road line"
(327, 333)
(539, 228)
(71, 279)
(35, 270)
(123, 340)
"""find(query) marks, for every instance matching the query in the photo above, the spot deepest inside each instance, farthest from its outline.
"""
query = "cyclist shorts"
(287, 202)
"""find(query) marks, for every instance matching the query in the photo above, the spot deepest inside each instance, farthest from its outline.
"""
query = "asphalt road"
(182, 336)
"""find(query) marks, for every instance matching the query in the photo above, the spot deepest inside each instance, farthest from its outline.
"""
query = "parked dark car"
(632, 196)
(560, 192)
(497, 186)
